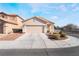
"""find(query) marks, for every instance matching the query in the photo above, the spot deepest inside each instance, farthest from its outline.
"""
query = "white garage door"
(34, 29)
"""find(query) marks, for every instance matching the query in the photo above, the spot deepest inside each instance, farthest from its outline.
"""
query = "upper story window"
(3, 16)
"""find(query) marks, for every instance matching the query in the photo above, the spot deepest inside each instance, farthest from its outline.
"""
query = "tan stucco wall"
(45, 29)
(52, 28)
(8, 27)
(19, 22)
(30, 22)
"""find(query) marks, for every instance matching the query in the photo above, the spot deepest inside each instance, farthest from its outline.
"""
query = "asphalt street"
(73, 51)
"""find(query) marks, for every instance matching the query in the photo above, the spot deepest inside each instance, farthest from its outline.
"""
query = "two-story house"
(8, 22)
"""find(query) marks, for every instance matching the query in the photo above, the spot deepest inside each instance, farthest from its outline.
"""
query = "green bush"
(62, 34)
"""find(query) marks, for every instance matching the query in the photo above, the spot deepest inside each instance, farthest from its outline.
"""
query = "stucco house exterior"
(8, 22)
(37, 24)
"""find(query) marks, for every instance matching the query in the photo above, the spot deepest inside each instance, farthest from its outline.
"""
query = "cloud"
(42, 7)
(36, 7)
(74, 7)
(54, 17)
(63, 8)
(46, 8)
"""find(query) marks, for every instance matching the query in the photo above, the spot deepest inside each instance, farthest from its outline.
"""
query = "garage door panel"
(34, 29)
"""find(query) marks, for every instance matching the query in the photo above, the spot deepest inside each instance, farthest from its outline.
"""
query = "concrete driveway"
(39, 44)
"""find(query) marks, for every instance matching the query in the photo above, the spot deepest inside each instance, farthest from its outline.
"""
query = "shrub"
(55, 36)
(55, 32)
(48, 31)
(62, 34)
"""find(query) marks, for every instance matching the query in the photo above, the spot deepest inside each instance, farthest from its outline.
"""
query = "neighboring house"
(70, 28)
(9, 22)
(37, 24)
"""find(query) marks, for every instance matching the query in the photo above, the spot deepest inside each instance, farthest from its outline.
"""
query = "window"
(17, 30)
(3, 16)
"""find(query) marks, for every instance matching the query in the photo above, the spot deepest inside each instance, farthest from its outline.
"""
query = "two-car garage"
(36, 25)
(34, 28)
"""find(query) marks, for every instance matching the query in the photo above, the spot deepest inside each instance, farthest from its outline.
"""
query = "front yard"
(36, 41)
(9, 37)
(57, 35)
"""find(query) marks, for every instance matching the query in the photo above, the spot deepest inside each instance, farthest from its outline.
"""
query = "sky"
(59, 13)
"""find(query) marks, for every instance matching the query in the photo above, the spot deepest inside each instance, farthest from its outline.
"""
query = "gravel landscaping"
(9, 37)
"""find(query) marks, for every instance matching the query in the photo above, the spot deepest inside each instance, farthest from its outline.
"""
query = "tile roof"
(12, 15)
(40, 19)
